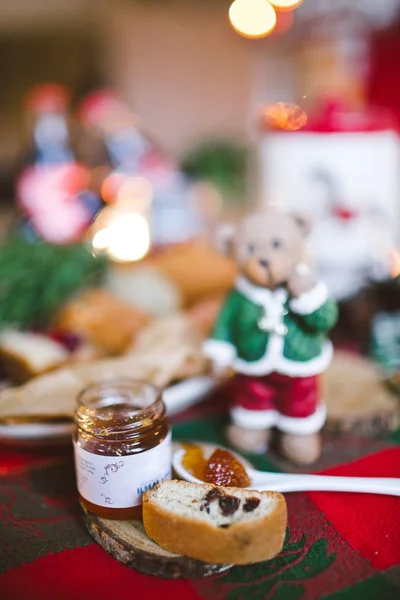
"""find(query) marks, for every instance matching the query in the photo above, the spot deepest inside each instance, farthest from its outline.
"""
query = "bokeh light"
(123, 236)
(395, 263)
(283, 116)
(252, 18)
(285, 4)
(121, 230)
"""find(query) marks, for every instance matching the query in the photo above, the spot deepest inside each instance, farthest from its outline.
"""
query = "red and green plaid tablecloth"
(338, 546)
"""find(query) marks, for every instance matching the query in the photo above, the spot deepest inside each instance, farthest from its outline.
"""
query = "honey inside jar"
(122, 446)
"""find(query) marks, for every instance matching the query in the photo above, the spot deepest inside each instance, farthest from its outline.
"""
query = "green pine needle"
(36, 279)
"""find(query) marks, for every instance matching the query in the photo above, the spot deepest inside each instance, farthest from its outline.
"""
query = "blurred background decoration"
(252, 18)
(131, 128)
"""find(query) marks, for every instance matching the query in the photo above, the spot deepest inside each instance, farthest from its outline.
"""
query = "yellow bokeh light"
(101, 240)
(124, 236)
(252, 18)
(284, 116)
(286, 4)
(129, 238)
(395, 263)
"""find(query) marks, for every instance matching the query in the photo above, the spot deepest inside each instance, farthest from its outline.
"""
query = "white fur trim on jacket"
(260, 295)
(222, 353)
(310, 301)
(265, 419)
(273, 360)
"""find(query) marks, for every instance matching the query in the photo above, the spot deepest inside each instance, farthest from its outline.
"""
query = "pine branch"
(36, 279)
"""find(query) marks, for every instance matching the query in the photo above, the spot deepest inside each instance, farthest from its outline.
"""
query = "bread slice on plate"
(215, 524)
(24, 355)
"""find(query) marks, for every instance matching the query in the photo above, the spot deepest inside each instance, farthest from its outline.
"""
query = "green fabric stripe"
(373, 588)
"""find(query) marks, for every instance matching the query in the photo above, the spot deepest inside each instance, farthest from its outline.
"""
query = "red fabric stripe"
(85, 574)
(13, 459)
(370, 523)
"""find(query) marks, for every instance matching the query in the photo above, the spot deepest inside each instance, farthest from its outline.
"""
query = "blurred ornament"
(105, 110)
(252, 18)
(143, 181)
(342, 168)
(47, 98)
(157, 167)
(49, 195)
(285, 4)
(118, 125)
(283, 116)
(47, 106)
(376, 13)
(53, 189)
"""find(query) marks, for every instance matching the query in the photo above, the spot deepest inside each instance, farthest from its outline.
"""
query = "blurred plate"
(178, 397)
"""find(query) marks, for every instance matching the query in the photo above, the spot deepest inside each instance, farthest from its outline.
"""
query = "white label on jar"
(119, 481)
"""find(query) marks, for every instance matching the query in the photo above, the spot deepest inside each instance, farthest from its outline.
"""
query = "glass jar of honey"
(122, 446)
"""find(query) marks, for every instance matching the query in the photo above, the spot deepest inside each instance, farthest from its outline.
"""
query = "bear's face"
(268, 246)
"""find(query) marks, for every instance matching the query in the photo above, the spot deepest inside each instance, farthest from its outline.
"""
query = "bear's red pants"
(289, 403)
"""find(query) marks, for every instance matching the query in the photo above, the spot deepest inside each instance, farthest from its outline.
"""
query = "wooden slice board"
(358, 401)
(128, 543)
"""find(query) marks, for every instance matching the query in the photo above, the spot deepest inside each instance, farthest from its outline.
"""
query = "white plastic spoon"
(287, 482)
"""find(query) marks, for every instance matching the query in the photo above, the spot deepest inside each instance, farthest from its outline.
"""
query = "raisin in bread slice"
(220, 525)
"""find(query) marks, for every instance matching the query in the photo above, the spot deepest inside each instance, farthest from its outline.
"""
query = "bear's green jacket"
(260, 331)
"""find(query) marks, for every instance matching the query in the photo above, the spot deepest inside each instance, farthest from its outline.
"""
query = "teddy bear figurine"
(272, 332)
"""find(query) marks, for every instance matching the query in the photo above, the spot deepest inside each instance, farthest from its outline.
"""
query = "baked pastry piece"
(55, 393)
(175, 338)
(220, 525)
(101, 319)
(195, 269)
(24, 355)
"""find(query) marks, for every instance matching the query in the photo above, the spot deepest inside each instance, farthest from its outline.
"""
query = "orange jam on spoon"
(222, 468)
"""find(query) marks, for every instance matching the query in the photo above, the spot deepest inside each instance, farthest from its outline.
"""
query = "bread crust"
(19, 370)
(241, 543)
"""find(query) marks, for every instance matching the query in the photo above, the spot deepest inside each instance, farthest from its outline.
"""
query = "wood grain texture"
(128, 543)
(358, 401)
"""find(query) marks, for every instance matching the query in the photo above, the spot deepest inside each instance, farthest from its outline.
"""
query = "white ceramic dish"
(177, 397)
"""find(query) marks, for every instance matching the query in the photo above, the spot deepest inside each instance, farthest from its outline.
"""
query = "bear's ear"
(224, 238)
(304, 222)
